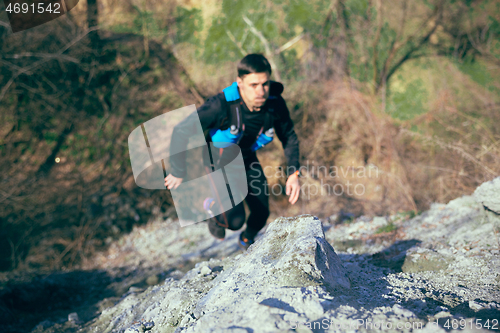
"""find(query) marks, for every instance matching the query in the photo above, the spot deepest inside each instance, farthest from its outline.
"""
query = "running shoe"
(244, 243)
(215, 229)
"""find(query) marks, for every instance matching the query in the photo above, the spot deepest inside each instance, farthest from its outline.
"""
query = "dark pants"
(257, 200)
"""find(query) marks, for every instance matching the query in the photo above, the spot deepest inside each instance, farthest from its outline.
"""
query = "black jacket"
(214, 114)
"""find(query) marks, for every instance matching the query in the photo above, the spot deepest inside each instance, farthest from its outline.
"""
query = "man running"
(248, 112)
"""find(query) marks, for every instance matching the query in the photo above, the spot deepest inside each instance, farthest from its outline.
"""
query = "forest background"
(406, 89)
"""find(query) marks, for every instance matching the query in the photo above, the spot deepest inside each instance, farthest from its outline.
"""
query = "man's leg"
(234, 218)
(257, 198)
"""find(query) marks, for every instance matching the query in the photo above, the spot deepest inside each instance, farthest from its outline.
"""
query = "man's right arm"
(210, 114)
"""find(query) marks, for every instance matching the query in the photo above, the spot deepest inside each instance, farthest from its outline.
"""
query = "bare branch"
(233, 39)
(76, 40)
(6, 87)
(387, 73)
(376, 41)
(244, 38)
(478, 46)
(9, 64)
(430, 21)
(289, 44)
(394, 48)
(53, 86)
(403, 19)
(43, 60)
(42, 55)
(4, 24)
(264, 41)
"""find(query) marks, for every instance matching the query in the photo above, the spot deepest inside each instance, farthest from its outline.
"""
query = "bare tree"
(402, 48)
(93, 21)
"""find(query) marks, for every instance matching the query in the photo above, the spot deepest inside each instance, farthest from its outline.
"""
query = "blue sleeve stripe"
(231, 93)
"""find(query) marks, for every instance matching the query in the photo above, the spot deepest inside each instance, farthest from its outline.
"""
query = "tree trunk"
(44, 169)
(339, 44)
(92, 21)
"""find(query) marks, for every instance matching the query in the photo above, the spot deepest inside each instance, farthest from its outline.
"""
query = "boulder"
(419, 259)
(285, 276)
(488, 194)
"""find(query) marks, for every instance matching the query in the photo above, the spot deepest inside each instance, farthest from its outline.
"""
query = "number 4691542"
(478, 324)
(41, 8)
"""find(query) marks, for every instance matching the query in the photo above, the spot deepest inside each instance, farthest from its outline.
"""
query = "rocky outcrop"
(396, 273)
(444, 262)
(285, 277)
(488, 194)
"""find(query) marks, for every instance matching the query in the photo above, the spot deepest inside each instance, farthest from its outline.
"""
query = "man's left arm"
(284, 128)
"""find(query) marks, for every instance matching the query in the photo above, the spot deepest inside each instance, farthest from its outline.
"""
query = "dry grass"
(453, 159)
(341, 129)
(348, 155)
(61, 217)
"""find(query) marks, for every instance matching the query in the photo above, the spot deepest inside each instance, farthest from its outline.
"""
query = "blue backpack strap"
(232, 97)
(231, 93)
(224, 138)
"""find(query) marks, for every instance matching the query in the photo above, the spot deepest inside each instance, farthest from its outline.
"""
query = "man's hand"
(172, 182)
(293, 188)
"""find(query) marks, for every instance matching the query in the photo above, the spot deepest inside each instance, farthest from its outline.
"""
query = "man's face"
(254, 89)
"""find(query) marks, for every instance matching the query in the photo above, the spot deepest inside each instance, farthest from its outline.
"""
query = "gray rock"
(421, 259)
(488, 194)
(73, 317)
(148, 325)
(475, 306)
(43, 325)
(286, 276)
(205, 270)
(135, 328)
(281, 271)
(293, 253)
(152, 280)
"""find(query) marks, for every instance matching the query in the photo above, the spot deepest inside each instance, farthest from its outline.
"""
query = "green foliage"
(410, 102)
(50, 137)
(230, 37)
(309, 15)
(172, 100)
(299, 12)
(401, 216)
(477, 72)
(143, 21)
(360, 59)
(189, 24)
(219, 44)
(357, 8)
(291, 65)
(387, 228)
(311, 18)
(349, 220)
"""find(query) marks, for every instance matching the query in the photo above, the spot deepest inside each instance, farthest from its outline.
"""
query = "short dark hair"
(253, 63)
